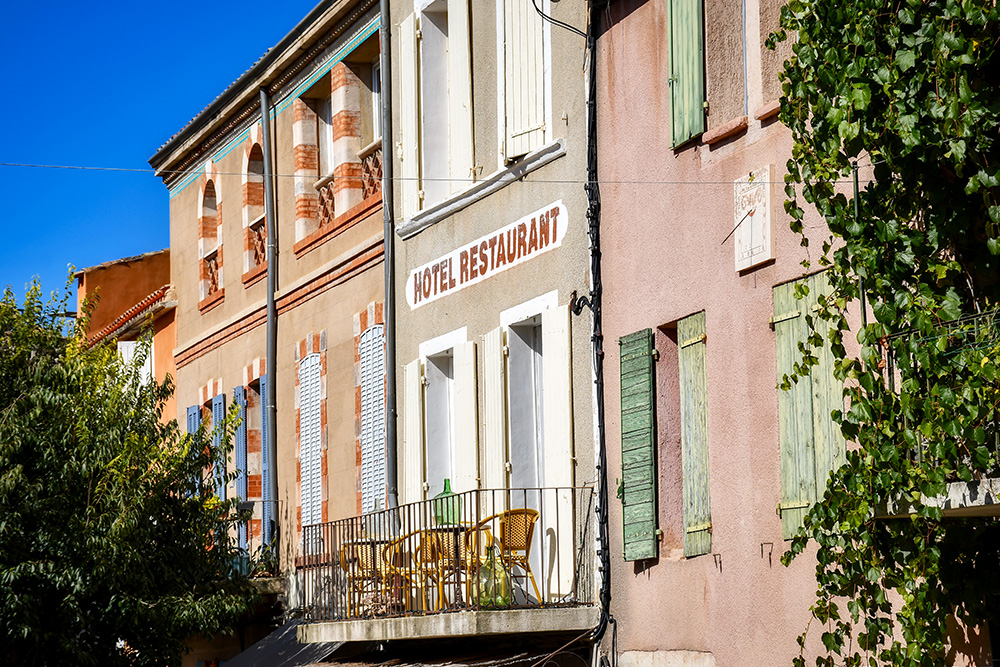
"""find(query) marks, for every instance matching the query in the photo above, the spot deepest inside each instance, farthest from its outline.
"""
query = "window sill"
(338, 225)
(768, 111)
(492, 183)
(212, 300)
(254, 275)
(725, 131)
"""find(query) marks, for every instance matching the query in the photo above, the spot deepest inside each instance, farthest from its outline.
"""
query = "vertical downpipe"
(388, 241)
(272, 310)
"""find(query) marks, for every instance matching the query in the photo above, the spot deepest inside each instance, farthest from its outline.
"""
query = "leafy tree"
(113, 547)
(905, 93)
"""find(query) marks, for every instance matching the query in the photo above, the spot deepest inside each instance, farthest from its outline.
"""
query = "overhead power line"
(526, 178)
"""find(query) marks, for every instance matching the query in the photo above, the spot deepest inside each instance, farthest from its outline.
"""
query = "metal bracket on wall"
(770, 551)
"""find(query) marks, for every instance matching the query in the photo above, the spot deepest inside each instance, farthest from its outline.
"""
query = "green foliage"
(908, 92)
(113, 548)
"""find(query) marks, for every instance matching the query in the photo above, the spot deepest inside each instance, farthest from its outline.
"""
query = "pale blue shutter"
(218, 417)
(371, 349)
(193, 418)
(240, 398)
(267, 509)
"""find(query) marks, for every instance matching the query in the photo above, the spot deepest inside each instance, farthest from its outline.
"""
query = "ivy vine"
(905, 92)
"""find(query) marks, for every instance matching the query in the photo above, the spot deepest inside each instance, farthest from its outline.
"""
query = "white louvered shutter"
(557, 443)
(460, 142)
(412, 458)
(465, 474)
(524, 78)
(310, 439)
(371, 349)
(495, 406)
(409, 114)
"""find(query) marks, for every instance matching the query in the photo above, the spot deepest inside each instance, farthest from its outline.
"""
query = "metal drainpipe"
(389, 237)
(272, 310)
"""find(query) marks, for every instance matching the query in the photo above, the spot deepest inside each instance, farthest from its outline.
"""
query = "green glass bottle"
(447, 507)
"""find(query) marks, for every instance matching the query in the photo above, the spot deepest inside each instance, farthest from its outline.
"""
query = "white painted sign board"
(754, 242)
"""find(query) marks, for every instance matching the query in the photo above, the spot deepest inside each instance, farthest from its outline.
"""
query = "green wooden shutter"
(687, 70)
(638, 416)
(811, 442)
(694, 435)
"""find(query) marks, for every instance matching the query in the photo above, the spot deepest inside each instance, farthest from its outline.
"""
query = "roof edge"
(234, 89)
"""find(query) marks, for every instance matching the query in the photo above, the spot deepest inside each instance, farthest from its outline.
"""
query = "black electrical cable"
(534, 3)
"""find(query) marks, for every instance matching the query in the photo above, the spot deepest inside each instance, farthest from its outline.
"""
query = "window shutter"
(694, 435)
(811, 442)
(310, 435)
(193, 418)
(413, 433)
(828, 395)
(409, 113)
(557, 446)
(218, 432)
(466, 467)
(126, 351)
(240, 398)
(371, 349)
(638, 417)
(266, 471)
(524, 78)
(495, 409)
(687, 70)
(460, 140)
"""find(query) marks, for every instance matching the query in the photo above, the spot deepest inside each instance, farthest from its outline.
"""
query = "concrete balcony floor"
(470, 623)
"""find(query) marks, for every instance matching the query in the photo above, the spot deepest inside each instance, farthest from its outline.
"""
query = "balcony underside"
(471, 623)
(963, 499)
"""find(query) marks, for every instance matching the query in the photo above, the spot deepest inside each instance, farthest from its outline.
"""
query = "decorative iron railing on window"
(371, 169)
(971, 342)
(485, 549)
(326, 209)
(258, 241)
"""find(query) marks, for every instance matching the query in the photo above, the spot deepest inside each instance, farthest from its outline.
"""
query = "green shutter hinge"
(656, 354)
(700, 528)
(659, 535)
(783, 318)
(704, 105)
(691, 341)
(790, 506)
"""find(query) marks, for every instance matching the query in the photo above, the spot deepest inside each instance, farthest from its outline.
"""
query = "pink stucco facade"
(665, 215)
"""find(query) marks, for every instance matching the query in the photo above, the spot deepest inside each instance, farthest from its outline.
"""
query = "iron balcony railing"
(483, 549)
(969, 343)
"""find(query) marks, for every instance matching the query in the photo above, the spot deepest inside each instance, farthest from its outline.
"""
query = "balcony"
(477, 563)
(968, 459)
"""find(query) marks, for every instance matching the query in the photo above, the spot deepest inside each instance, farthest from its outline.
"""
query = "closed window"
(310, 431)
(371, 350)
(811, 442)
(524, 76)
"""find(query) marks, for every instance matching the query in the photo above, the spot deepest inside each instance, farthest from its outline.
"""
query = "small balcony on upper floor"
(479, 563)
(966, 453)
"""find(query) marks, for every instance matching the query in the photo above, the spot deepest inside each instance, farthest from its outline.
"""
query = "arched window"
(210, 243)
(255, 231)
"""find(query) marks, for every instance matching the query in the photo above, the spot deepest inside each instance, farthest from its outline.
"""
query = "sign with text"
(488, 256)
(752, 219)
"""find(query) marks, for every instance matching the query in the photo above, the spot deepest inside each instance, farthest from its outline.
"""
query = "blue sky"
(104, 85)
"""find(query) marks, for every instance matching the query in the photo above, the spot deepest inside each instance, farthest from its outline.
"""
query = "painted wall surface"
(318, 292)
(564, 269)
(666, 256)
(119, 286)
(122, 284)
